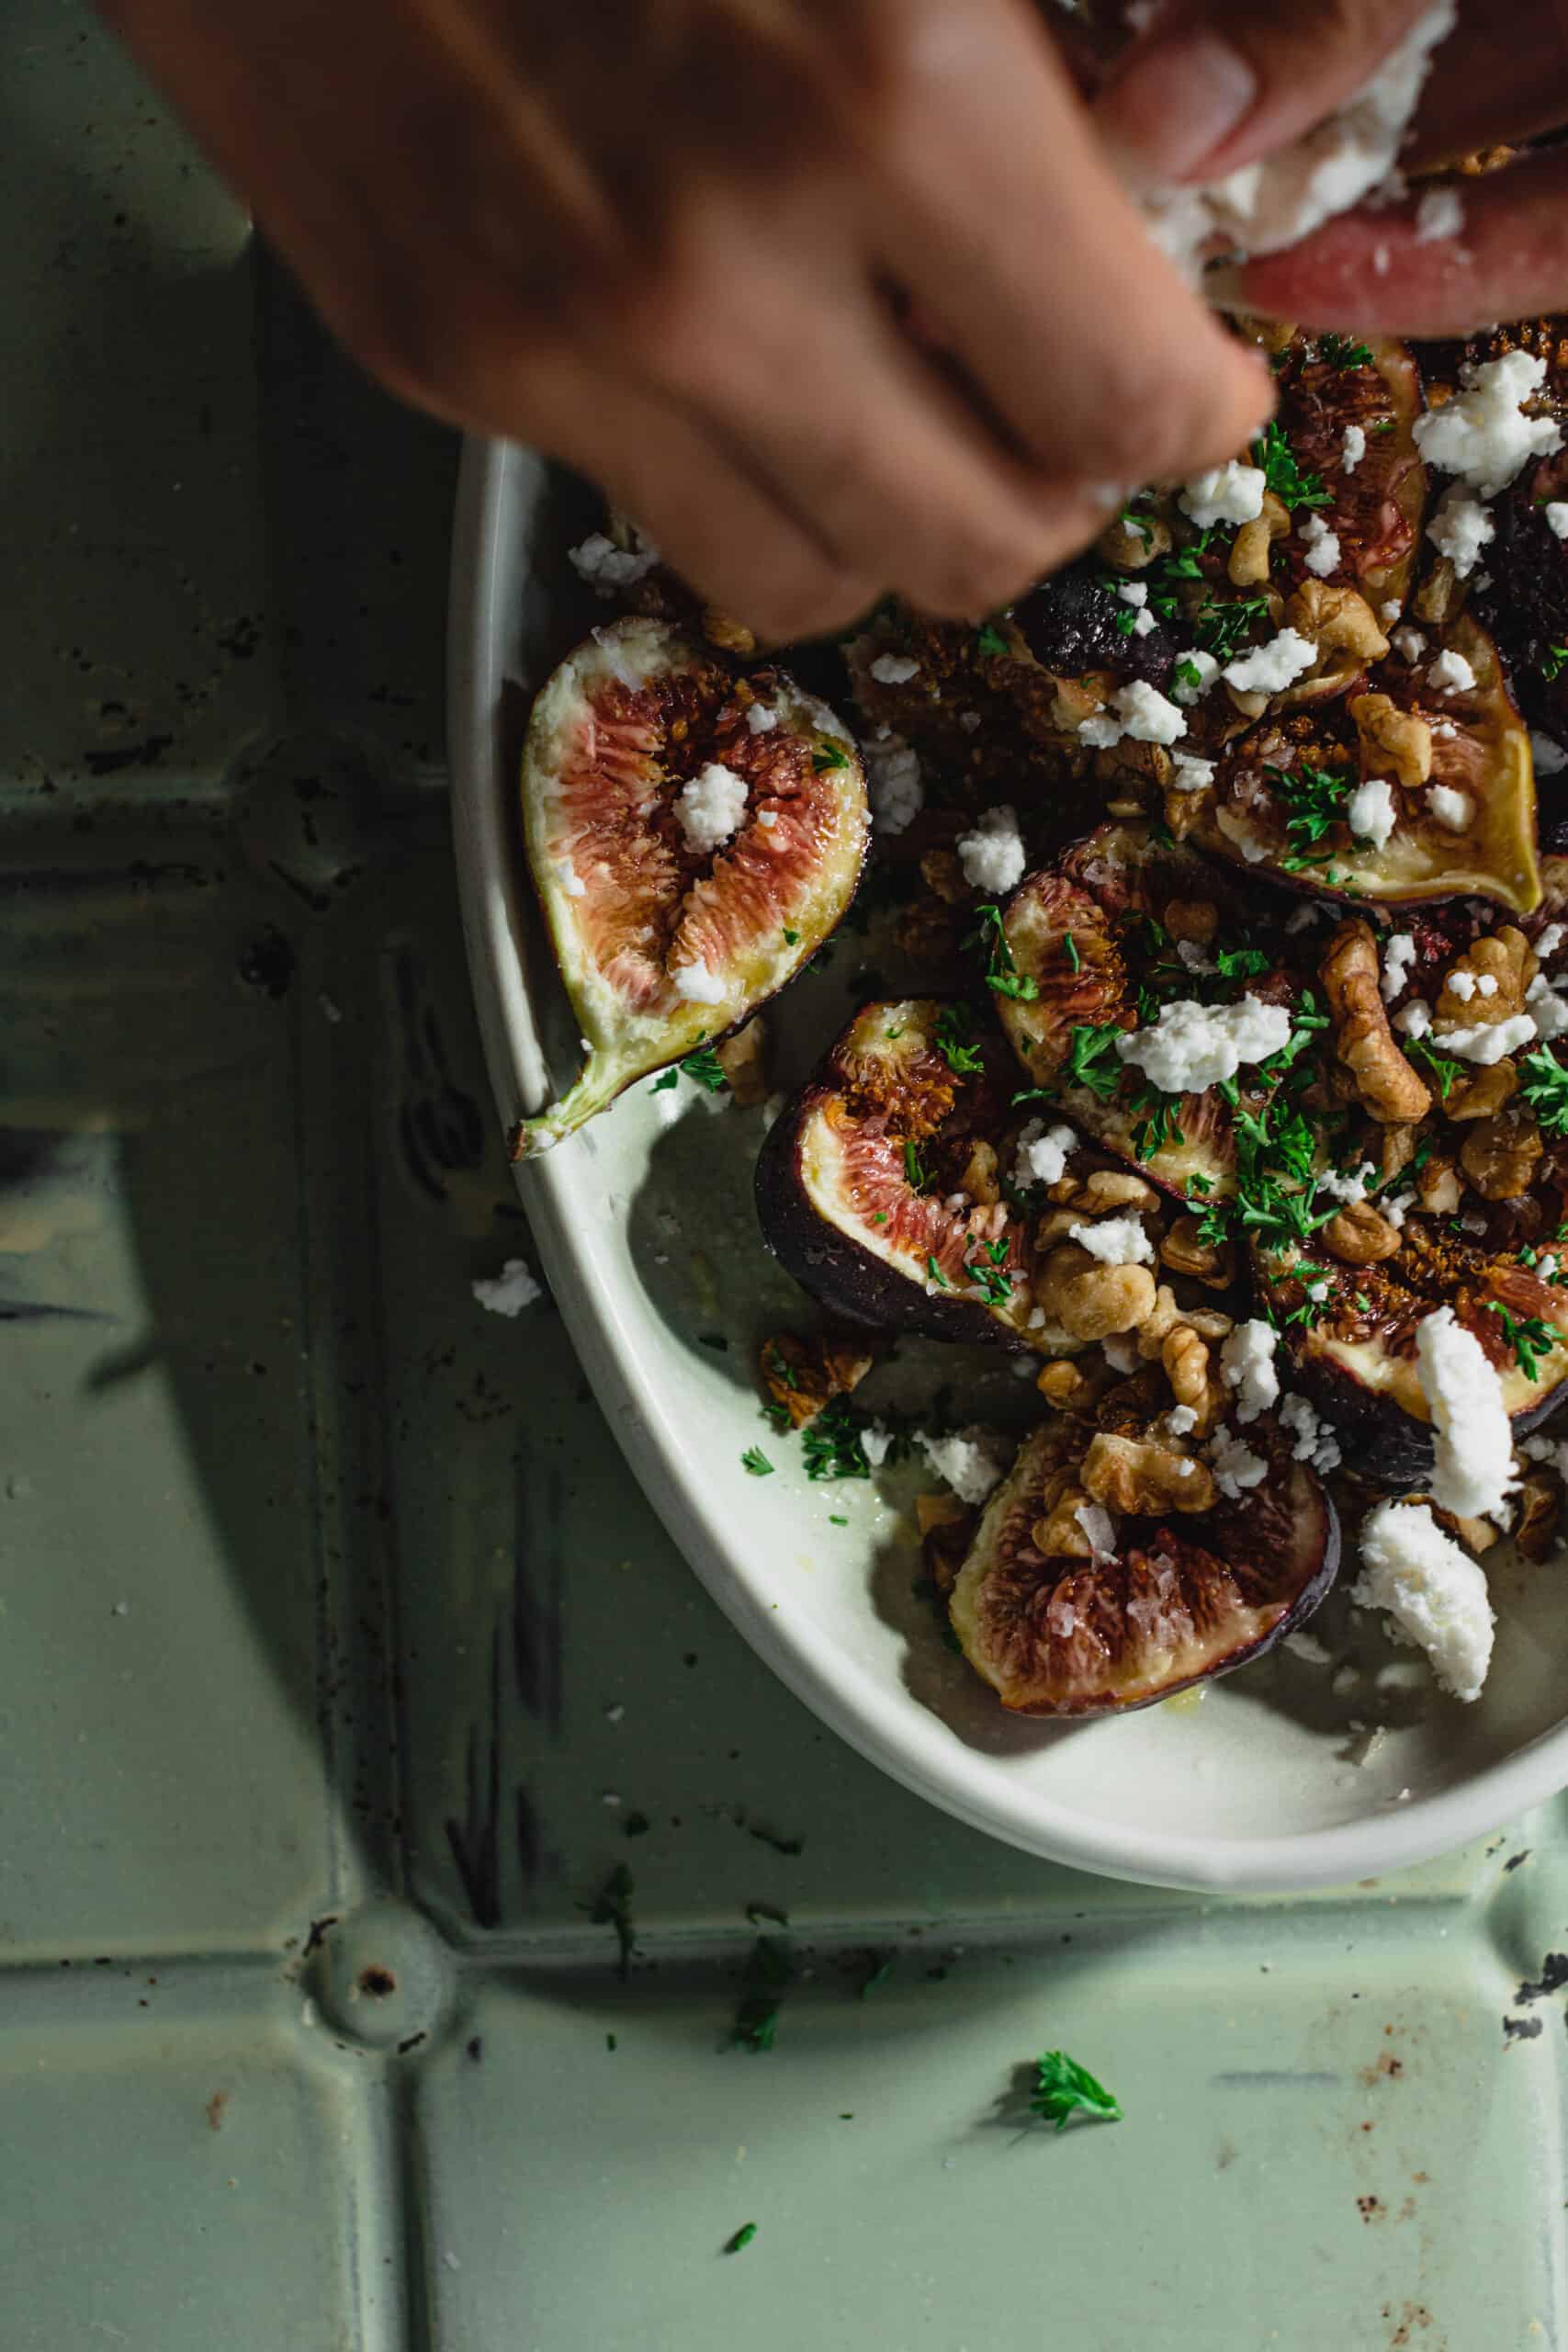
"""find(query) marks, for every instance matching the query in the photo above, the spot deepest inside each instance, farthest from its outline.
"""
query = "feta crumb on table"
(1557, 516)
(509, 1292)
(1432, 1590)
(894, 668)
(893, 782)
(969, 1460)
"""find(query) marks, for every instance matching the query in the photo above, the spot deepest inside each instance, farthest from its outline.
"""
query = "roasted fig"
(1422, 786)
(693, 835)
(1346, 412)
(1144, 1608)
(1121, 930)
(877, 1188)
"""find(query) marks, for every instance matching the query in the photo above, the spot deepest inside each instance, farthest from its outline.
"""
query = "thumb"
(1210, 87)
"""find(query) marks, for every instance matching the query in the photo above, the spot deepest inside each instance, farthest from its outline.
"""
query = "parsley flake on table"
(770, 1972)
(1065, 2089)
(742, 2238)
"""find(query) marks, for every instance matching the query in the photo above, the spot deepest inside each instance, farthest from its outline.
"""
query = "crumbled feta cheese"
(767, 819)
(1415, 1020)
(1308, 1648)
(1473, 1443)
(1461, 527)
(608, 569)
(509, 1292)
(1490, 1040)
(1192, 1047)
(1371, 811)
(992, 855)
(1550, 940)
(876, 1441)
(1235, 1465)
(1396, 1210)
(1181, 1420)
(894, 668)
(1189, 773)
(1194, 960)
(711, 806)
(1228, 493)
(969, 1462)
(893, 782)
(1353, 448)
(1315, 1443)
(1439, 214)
(1349, 1186)
(761, 719)
(1322, 546)
(696, 984)
(1135, 593)
(1247, 1361)
(1269, 669)
(1391, 610)
(1410, 645)
(1100, 1529)
(1116, 1242)
(1398, 956)
(1453, 810)
(571, 880)
(1547, 1008)
(1557, 516)
(1189, 690)
(1043, 1154)
(1462, 985)
(1304, 916)
(1138, 710)
(1433, 1592)
(1120, 1353)
(1451, 671)
(1264, 206)
(1486, 984)
(1482, 434)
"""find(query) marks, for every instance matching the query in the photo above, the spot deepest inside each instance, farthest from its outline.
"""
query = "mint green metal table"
(386, 1811)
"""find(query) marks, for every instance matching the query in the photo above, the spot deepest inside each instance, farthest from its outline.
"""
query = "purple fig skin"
(1379, 1439)
(854, 1282)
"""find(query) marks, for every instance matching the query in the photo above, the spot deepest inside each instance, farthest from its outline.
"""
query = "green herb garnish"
(935, 1274)
(1241, 963)
(662, 1085)
(1446, 1071)
(831, 1442)
(830, 755)
(1313, 798)
(742, 2238)
(1552, 661)
(1092, 1061)
(1065, 2089)
(770, 1972)
(1002, 974)
(990, 639)
(1340, 353)
(1074, 958)
(1546, 1090)
(1529, 1337)
(791, 938)
(916, 1172)
(955, 1032)
(757, 1461)
(1282, 472)
(703, 1068)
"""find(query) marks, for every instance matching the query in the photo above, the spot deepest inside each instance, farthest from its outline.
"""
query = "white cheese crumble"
(608, 569)
(1550, 940)
(1121, 1352)
(1433, 1592)
(1138, 710)
(1228, 493)
(696, 984)
(1322, 546)
(1190, 690)
(1397, 958)
(1547, 1008)
(509, 1292)
(1235, 1465)
(1550, 759)
(1247, 1361)
(1415, 1020)
(1451, 671)
(1482, 434)
(1181, 1420)
(877, 1443)
(1490, 1040)
(893, 782)
(894, 668)
(1473, 1443)
(1410, 645)
(1134, 593)
(1353, 448)
(969, 1460)
(992, 855)
(761, 719)
(1462, 985)
(1393, 609)
(1269, 669)
(571, 880)
(767, 817)
(1370, 812)
(1351, 1185)
(1099, 1528)
(1439, 214)
(711, 806)
(1453, 810)
(1116, 1242)
(1314, 1442)
(1043, 1154)
(1557, 516)
(1461, 527)
(1192, 1047)
(1189, 773)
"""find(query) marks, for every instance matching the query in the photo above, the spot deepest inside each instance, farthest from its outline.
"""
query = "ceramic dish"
(1279, 1777)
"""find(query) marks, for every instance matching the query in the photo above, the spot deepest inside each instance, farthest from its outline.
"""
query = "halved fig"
(1090, 937)
(1330, 385)
(1178, 1600)
(855, 1179)
(1280, 797)
(688, 862)
(1351, 1340)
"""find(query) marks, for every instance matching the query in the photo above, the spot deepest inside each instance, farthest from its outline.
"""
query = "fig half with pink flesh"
(1376, 496)
(1178, 1600)
(638, 747)
(859, 1181)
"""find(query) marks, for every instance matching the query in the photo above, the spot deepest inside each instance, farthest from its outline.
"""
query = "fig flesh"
(667, 931)
(1177, 1601)
(1375, 505)
(855, 1179)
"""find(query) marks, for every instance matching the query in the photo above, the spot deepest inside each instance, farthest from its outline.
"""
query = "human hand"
(662, 240)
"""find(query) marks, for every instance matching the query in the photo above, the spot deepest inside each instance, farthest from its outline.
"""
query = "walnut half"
(1135, 1476)
(1384, 1083)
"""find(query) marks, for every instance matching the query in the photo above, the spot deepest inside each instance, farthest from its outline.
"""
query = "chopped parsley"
(990, 639)
(830, 755)
(770, 1972)
(1159, 1130)
(757, 1461)
(1188, 675)
(1064, 2089)
(916, 1173)
(955, 1034)
(1553, 662)
(1074, 958)
(791, 938)
(1283, 473)
(1241, 963)
(742, 2238)
(1340, 353)
(1446, 1071)
(831, 1442)
(703, 1068)
(1313, 798)
(661, 1085)
(987, 1275)
(877, 1974)
(1222, 625)
(1546, 1090)
(1002, 974)
(1529, 1337)
(1093, 1062)
(935, 1274)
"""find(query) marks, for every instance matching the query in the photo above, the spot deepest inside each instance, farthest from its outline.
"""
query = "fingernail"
(1178, 101)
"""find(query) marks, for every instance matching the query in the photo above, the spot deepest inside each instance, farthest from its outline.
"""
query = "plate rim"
(846, 1696)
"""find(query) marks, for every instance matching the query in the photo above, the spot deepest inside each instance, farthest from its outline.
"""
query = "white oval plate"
(645, 1226)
